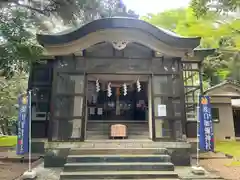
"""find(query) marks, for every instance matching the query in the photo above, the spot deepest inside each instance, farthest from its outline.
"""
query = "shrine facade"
(115, 71)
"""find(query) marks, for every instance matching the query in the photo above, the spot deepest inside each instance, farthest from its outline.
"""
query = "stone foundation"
(56, 153)
(38, 147)
(180, 156)
(55, 157)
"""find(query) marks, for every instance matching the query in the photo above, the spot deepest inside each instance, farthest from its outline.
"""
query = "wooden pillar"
(182, 101)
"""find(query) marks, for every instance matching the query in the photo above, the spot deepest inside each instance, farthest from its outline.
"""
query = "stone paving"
(119, 144)
(46, 173)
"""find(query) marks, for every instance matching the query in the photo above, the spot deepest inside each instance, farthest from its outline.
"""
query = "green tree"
(71, 11)
(215, 33)
(202, 7)
(9, 91)
(18, 47)
(19, 23)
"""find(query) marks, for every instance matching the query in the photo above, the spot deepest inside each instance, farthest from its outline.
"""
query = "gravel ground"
(11, 167)
(218, 166)
(11, 171)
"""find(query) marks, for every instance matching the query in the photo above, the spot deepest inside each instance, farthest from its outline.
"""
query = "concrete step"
(138, 131)
(107, 133)
(139, 166)
(129, 129)
(106, 137)
(114, 151)
(118, 158)
(107, 126)
(145, 179)
(118, 175)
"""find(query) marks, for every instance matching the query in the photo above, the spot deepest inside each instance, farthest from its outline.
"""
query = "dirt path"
(219, 166)
(11, 171)
(11, 166)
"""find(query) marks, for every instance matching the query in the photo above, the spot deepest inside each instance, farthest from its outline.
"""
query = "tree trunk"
(2, 129)
(5, 126)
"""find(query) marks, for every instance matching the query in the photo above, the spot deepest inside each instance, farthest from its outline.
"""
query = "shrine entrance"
(114, 98)
(121, 99)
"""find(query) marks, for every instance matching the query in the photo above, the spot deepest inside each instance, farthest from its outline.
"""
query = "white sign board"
(162, 110)
(100, 111)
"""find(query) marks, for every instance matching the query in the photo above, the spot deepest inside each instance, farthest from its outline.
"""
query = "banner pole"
(30, 131)
(198, 170)
(198, 124)
(29, 174)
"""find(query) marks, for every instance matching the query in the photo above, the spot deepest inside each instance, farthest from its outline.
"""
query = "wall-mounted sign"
(92, 111)
(99, 111)
(162, 110)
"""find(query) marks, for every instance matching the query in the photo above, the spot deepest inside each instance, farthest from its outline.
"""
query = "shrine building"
(115, 71)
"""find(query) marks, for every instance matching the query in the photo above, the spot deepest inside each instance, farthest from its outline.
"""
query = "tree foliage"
(72, 12)
(201, 7)
(17, 42)
(19, 23)
(217, 31)
(9, 91)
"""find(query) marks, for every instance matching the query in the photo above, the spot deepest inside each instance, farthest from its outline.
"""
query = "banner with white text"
(23, 125)
(206, 139)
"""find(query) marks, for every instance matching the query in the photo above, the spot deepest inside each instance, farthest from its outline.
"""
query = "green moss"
(8, 141)
(228, 147)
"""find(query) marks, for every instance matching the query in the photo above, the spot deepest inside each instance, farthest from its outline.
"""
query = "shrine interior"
(125, 103)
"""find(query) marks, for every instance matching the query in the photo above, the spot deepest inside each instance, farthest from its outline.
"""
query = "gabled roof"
(165, 36)
(227, 83)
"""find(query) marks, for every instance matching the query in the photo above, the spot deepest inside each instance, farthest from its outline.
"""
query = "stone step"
(118, 175)
(118, 158)
(128, 130)
(107, 126)
(107, 131)
(114, 151)
(106, 137)
(142, 166)
(136, 129)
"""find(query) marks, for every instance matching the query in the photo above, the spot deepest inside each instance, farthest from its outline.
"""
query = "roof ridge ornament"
(120, 45)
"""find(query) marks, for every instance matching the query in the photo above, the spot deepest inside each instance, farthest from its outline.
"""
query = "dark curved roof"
(165, 36)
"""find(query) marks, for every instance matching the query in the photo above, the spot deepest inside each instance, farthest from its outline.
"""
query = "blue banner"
(23, 125)
(121, 4)
(206, 140)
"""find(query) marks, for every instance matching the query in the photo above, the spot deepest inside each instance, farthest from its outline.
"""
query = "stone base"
(38, 147)
(56, 153)
(180, 156)
(198, 170)
(29, 175)
(55, 157)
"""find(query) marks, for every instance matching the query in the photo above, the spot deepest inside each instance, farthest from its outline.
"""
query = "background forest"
(216, 21)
